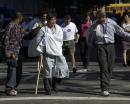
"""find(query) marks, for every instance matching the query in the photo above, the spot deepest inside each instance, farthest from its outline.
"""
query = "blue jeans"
(14, 73)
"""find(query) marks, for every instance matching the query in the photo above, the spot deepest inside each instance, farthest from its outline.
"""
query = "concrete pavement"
(82, 87)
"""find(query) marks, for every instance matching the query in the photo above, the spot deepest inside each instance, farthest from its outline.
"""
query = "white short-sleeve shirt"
(69, 31)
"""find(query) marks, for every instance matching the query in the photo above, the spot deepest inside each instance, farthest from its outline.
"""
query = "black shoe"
(125, 65)
(55, 90)
(74, 70)
(47, 86)
(48, 92)
(85, 65)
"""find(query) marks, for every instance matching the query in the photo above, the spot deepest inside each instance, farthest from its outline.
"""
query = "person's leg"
(81, 47)
(72, 55)
(124, 57)
(54, 84)
(47, 86)
(72, 60)
(111, 61)
(19, 71)
(85, 53)
(102, 59)
(11, 77)
(48, 66)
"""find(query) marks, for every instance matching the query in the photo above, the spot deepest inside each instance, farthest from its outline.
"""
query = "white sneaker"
(82, 70)
(105, 93)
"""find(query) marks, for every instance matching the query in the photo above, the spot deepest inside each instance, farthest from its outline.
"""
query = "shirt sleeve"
(120, 31)
(8, 36)
(35, 26)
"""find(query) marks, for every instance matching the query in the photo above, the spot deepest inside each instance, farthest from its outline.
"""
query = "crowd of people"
(52, 42)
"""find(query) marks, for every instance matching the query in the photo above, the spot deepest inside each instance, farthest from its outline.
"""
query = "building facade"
(60, 6)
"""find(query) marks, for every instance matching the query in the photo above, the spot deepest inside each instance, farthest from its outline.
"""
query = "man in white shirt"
(40, 22)
(37, 25)
(50, 40)
(69, 32)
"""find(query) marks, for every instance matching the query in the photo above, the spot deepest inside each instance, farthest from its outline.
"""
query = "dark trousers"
(14, 73)
(106, 58)
(83, 46)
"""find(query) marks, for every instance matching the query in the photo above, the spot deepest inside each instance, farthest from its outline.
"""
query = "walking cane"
(39, 67)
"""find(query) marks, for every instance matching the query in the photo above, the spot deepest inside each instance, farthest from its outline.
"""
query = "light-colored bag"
(40, 47)
(41, 44)
(61, 68)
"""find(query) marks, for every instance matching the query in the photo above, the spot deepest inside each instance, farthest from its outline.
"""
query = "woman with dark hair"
(82, 40)
(126, 45)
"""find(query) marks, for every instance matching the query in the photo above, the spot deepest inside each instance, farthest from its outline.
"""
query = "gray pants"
(106, 58)
(55, 66)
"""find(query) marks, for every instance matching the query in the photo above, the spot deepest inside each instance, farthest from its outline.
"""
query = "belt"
(69, 41)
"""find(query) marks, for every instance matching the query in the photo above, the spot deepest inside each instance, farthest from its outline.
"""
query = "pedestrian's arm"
(7, 36)
(124, 27)
(7, 41)
(127, 30)
(24, 32)
(76, 35)
(121, 32)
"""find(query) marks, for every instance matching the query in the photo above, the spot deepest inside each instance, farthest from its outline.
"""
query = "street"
(82, 87)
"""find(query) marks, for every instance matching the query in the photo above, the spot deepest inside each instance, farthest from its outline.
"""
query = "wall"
(24, 6)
